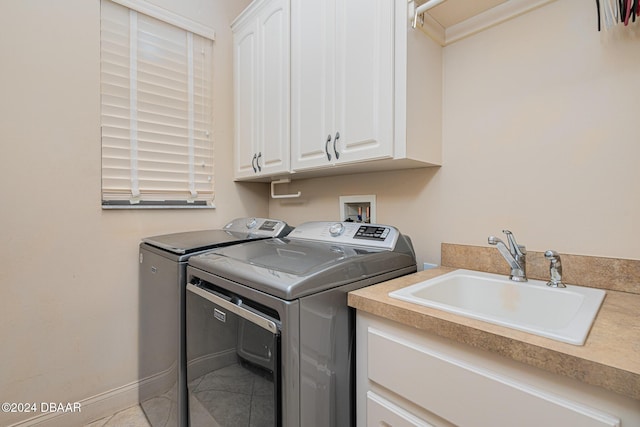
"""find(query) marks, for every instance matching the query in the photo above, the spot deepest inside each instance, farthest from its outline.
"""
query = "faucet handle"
(555, 269)
(514, 247)
(552, 255)
(493, 240)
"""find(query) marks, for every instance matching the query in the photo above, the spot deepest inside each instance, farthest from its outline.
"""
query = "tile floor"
(131, 417)
(245, 390)
(237, 394)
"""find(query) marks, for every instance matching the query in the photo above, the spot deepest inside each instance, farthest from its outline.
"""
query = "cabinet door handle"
(326, 147)
(258, 161)
(253, 163)
(335, 145)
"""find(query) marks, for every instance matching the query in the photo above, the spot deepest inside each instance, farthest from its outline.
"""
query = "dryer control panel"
(348, 233)
(263, 227)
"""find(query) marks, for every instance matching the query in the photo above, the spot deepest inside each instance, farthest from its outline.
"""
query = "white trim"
(93, 408)
(492, 17)
(107, 403)
(485, 20)
(169, 17)
(434, 30)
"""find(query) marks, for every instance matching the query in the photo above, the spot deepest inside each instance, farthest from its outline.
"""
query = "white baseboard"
(115, 400)
(105, 404)
(91, 409)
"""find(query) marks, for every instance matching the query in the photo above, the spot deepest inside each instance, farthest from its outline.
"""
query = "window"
(156, 109)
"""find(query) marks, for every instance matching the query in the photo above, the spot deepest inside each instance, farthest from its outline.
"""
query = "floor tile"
(131, 417)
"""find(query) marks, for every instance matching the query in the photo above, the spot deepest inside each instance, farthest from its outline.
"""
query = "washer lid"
(293, 268)
(193, 241)
(237, 231)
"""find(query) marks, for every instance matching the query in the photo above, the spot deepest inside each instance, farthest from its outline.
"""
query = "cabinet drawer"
(381, 412)
(469, 395)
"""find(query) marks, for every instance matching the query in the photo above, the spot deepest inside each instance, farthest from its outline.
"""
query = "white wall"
(540, 136)
(68, 276)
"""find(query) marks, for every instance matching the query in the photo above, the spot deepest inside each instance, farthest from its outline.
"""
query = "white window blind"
(156, 79)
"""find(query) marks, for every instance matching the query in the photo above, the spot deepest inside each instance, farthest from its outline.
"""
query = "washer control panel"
(373, 232)
(257, 226)
(350, 233)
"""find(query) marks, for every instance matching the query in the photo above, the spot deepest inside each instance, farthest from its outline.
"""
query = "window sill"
(153, 205)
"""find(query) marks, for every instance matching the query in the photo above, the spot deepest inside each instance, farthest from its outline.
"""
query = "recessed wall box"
(358, 208)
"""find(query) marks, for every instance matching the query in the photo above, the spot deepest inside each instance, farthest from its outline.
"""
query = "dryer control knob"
(336, 229)
(251, 223)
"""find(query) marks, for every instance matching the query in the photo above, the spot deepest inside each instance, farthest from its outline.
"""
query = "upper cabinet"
(341, 81)
(261, 89)
(365, 89)
(353, 110)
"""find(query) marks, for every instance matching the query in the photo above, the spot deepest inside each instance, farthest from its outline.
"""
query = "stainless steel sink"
(565, 314)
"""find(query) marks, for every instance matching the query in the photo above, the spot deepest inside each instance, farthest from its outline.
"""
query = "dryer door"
(233, 361)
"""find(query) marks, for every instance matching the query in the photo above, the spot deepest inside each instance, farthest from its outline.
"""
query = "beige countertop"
(610, 357)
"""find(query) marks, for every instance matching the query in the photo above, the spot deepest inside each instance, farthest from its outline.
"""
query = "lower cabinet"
(410, 378)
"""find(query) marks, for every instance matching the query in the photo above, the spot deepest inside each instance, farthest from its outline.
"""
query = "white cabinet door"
(246, 98)
(342, 81)
(273, 81)
(312, 82)
(261, 86)
(364, 79)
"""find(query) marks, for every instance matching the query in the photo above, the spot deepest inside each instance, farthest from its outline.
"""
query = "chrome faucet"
(555, 269)
(515, 255)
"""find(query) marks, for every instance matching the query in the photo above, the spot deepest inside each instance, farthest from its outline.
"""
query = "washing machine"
(162, 280)
(270, 337)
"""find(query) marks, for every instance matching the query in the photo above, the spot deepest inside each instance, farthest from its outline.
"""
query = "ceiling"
(452, 12)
